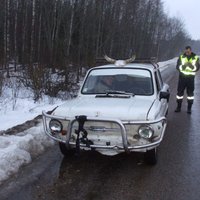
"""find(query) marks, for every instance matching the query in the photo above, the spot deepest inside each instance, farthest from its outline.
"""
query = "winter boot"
(189, 108)
(178, 108)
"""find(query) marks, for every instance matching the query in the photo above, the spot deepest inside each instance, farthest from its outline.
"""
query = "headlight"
(145, 131)
(55, 126)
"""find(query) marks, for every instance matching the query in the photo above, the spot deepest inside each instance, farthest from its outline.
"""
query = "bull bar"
(125, 146)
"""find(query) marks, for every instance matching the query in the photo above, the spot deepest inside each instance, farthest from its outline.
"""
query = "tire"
(151, 157)
(65, 151)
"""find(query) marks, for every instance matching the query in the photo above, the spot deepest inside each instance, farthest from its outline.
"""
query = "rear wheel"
(66, 151)
(151, 156)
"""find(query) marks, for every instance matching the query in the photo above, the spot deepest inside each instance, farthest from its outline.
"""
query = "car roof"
(148, 66)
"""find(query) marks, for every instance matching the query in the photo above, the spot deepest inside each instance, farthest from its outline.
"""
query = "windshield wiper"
(119, 92)
(116, 94)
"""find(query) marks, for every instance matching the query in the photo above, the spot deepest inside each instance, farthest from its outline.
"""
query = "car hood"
(134, 108)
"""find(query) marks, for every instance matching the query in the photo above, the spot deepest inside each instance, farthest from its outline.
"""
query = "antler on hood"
(131, 59)
(111, 60)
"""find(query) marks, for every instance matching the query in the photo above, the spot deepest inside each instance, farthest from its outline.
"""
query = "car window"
(137, 81)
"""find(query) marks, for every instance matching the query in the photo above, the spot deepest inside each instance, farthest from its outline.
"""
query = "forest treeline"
(55, 33)
(60, 34)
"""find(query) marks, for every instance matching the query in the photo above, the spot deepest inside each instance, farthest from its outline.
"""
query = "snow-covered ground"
(16, 107)
(18, 150)
(163, 65)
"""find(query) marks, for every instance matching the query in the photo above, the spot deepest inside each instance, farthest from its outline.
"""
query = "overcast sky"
(189, 11)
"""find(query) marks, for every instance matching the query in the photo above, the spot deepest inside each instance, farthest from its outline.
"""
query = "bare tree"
(7, 36)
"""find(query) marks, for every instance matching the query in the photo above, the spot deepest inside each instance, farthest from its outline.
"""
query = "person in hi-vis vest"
(187, 65)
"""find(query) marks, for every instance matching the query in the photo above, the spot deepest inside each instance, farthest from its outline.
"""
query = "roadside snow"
(18, 111)
(25, 110)
(165, 64)
(16, 107)
(18, 150)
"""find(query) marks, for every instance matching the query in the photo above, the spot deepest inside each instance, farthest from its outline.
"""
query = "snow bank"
(165, 64)
(18, 150)
(24, 109)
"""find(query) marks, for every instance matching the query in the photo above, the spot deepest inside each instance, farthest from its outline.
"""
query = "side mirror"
(164, 95)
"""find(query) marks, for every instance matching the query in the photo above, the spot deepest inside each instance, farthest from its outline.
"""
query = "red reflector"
(64, 132)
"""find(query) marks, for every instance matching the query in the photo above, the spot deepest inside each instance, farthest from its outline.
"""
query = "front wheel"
(151, 156)
(66, 151)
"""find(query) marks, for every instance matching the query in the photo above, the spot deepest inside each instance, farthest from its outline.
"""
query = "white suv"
(121, 107)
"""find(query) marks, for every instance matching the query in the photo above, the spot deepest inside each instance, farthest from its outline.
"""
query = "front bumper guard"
(126, 147)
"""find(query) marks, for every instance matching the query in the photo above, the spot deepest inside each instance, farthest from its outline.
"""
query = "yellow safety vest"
(188, 70)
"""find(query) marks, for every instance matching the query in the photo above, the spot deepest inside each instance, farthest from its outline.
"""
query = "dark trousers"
(186, 83)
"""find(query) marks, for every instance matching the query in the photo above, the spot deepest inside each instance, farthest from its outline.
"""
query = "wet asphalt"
(92, 176)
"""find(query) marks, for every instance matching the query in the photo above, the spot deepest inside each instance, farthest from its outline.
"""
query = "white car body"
(114, 121)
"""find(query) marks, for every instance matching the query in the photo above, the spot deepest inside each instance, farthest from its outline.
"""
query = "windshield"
(135, 81)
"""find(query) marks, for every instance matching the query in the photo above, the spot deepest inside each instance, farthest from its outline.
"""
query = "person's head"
(188, 50)
(108, 80)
